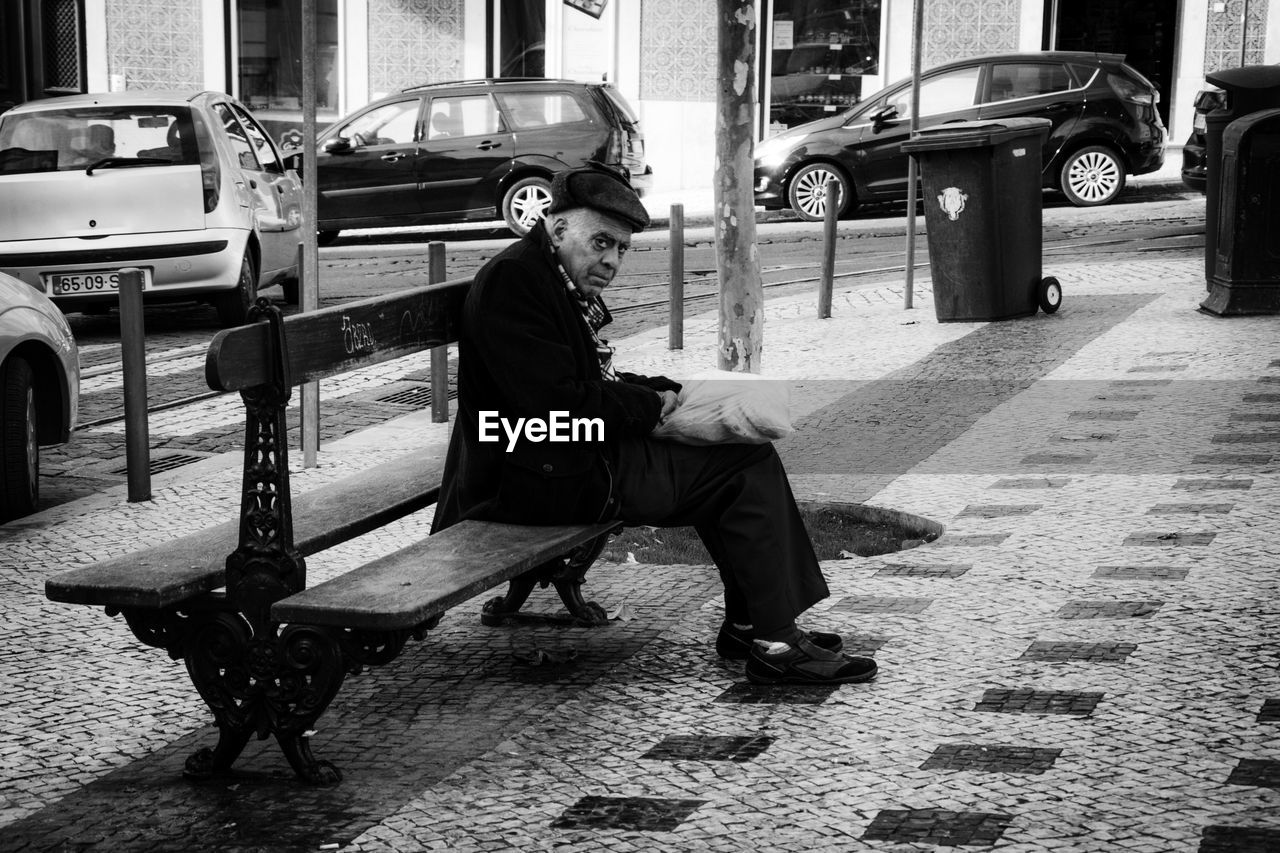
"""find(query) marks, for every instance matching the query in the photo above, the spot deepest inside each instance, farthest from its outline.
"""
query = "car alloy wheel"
(233, 305)
(19, 440)
(1092, 176)
(525, 203)
(808, 192)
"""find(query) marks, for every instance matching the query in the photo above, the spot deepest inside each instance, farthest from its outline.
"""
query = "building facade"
(815, 57)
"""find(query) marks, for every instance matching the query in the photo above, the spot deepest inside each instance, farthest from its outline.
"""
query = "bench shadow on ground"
(393, 731)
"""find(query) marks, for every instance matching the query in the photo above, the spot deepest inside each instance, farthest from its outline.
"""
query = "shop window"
(522, 33)
(270, 63)
(821, 50)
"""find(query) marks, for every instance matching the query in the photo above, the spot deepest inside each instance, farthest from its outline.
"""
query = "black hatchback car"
(1105, 125)
(470, 150)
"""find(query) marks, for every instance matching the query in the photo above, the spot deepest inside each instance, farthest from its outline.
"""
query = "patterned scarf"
(595, 316)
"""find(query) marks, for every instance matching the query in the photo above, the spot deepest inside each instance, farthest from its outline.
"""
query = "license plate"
(79, 283)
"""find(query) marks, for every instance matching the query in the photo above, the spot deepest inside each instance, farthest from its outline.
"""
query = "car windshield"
(60, 140)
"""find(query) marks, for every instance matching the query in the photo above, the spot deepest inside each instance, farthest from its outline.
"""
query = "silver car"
(39, 390)
(186, 186)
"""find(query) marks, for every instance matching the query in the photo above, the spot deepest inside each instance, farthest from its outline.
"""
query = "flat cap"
(600, 188)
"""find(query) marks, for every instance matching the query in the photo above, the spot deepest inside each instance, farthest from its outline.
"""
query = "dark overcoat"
(524, 351)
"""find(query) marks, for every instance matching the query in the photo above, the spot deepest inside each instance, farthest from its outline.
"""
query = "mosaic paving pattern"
(991, 758)
(937, 826)
(1146, 725)
(639, 814)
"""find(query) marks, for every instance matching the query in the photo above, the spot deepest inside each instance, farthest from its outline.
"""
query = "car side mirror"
(293, 161)
(884, 115)
(337, 145)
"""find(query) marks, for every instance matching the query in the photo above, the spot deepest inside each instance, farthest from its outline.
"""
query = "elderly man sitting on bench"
(530, 346)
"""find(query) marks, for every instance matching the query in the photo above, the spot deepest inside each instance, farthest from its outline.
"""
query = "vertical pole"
(827, 277)
(309, 268)
(675, 334)
(133, 359)
(1244, 35)
(439, 355)
(917, 38)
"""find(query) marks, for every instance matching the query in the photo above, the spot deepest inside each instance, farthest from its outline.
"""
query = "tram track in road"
(641, 299)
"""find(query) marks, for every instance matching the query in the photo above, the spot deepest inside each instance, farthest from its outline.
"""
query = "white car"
(39, 390)
(186, 186)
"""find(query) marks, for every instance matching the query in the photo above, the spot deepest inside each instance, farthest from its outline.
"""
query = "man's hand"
(669, 403)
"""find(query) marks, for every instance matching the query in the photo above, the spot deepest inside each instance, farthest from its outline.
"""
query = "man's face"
(590, 246)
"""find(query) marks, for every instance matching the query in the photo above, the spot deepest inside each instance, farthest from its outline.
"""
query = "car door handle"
(489, 145)
(394, 156)
(1058, 106)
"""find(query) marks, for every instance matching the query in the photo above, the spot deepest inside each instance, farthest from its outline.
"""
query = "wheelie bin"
(1248, 90)
(982, 200)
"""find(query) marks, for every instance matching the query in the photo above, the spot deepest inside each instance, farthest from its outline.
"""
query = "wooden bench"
(266, 652)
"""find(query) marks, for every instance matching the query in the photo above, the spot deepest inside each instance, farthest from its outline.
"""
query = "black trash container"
(1250, 89)
(982, 201)
(1246, 272)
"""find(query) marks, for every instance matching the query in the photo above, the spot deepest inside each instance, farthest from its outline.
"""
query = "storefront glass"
(522, 32)
(822, 50)
(270, 63)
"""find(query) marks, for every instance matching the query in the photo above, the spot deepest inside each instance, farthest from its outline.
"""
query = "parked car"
(1194, 151)
(39, 390)
(186, 186)
(470, 150)
(1105, 125)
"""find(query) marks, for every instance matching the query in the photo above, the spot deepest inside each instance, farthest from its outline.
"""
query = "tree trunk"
(741, 338)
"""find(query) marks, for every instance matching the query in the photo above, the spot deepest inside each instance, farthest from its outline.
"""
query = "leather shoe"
(735, 644)
(805, 663)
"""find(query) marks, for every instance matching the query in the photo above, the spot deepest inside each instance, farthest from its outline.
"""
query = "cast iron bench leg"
(566, 574)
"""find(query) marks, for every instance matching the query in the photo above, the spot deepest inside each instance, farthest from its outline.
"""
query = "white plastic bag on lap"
(729, 408)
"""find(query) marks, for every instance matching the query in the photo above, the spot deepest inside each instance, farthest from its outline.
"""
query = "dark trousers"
(738, 499)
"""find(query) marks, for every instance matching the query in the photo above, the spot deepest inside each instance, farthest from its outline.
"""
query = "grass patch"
(836, 532)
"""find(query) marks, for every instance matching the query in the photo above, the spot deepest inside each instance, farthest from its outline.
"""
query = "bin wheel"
(1049, 294)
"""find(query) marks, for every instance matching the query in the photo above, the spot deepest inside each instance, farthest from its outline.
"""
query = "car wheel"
(326, 238)
(524, 204)
(808, 192)
(19, 440)
(233, 305)
(1093, 175)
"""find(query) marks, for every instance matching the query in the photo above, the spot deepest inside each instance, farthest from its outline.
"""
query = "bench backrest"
(335, 340)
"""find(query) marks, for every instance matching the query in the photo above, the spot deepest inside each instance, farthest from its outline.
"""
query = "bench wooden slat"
(170, 573)
(402, 590)
(340, 338)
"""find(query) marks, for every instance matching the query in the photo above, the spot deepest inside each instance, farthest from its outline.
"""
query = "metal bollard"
(675, 334)
(439, 355)
(133, 358)
(827, 278)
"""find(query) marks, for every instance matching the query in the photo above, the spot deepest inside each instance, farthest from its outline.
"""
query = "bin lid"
(976, 134)
(1248, 77)
(1248, 125)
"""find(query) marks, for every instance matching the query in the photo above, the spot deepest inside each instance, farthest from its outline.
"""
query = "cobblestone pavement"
(1083, 662)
